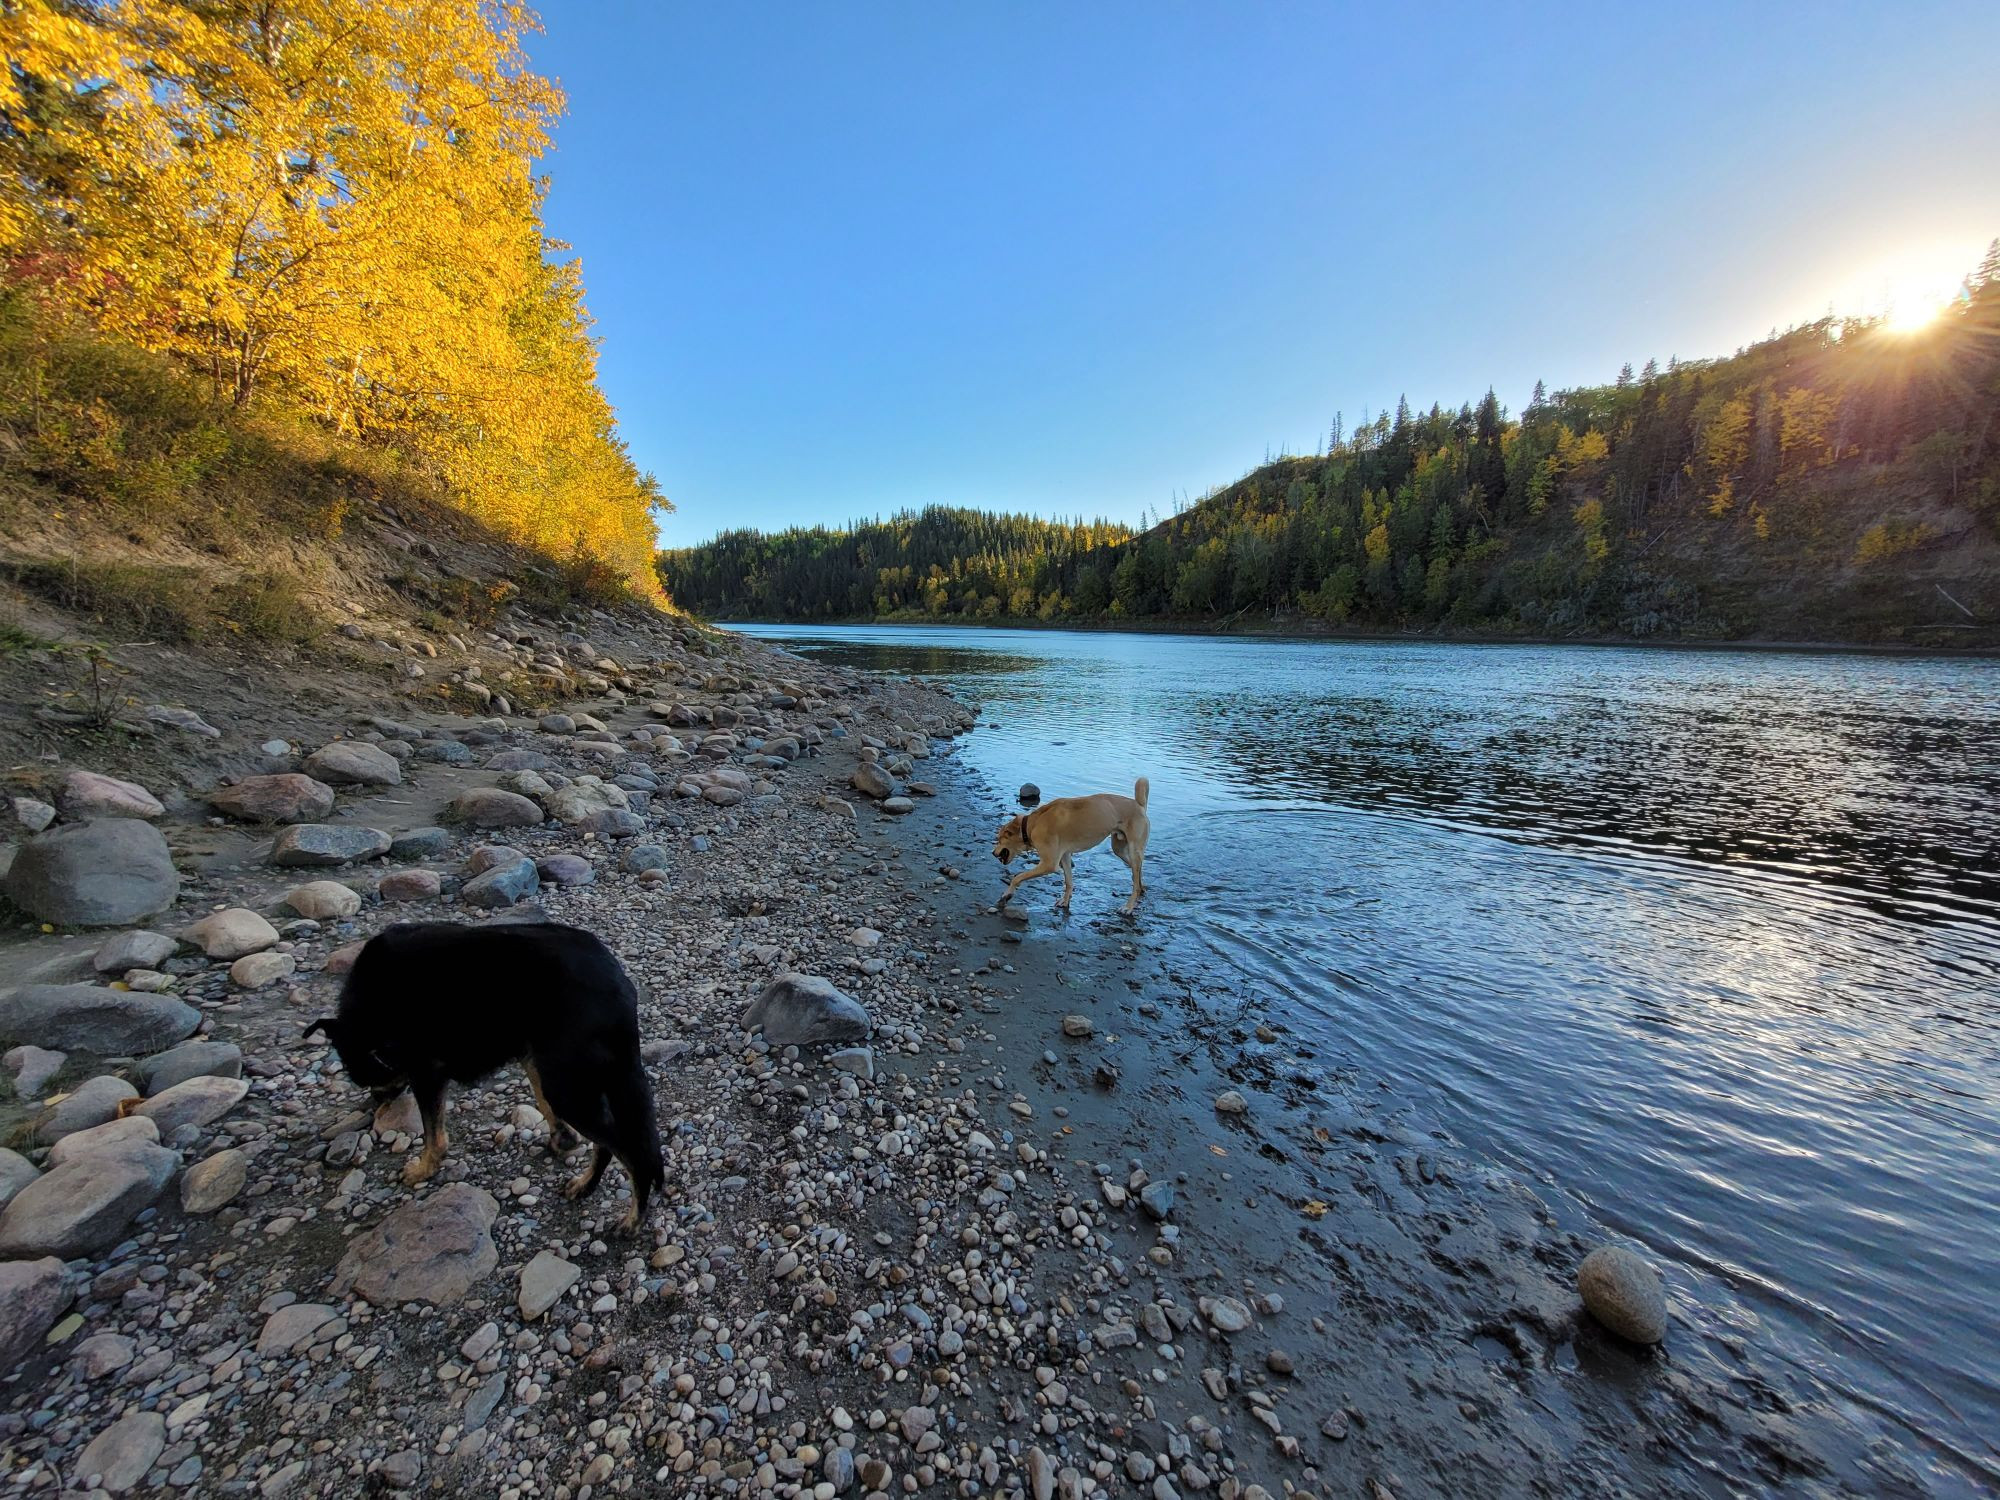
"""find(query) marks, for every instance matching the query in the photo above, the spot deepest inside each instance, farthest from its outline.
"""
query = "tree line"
(326, 208)
(1808, 473)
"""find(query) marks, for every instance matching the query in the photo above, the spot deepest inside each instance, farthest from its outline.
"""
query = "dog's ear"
(328, 1024)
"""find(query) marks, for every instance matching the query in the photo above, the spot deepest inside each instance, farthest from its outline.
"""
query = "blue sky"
(1077, 258)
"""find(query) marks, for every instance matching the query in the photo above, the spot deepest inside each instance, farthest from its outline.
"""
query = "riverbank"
(949, 1270)
(1979, 640)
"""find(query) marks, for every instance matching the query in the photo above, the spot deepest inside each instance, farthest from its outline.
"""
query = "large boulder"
(196, 1059)
(502, 886)
(84, 1205)
(33, 1294)
(197, 1101)
(288, 797)
(90, 1103)
(86, 794)
(110, 872)
(352, 763)
(802, 1008)
(433, 1249)
(91, 1018)
(490, 807)
(322, 845)
(231, 933)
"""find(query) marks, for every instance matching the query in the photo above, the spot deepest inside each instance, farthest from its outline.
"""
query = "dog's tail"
(1139, 790)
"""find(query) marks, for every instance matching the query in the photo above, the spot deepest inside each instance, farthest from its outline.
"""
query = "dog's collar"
(1028, 831)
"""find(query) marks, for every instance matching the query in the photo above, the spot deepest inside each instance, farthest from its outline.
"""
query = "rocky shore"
(1028, 1217)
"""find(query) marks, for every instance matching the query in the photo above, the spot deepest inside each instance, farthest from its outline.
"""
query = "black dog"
(432, 1003)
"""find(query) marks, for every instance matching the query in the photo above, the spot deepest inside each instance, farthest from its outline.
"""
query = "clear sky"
(1076, 258)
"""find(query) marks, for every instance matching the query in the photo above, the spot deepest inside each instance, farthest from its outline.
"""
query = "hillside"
(1839, 483)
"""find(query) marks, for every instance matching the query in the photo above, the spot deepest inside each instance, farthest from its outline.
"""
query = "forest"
(1839, 480)
(321, 212)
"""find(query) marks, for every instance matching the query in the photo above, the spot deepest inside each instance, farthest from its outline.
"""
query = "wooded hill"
(324, 214)
(1836, 482)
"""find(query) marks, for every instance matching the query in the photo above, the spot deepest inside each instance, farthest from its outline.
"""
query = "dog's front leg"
(1044, 868)
(430, 1104)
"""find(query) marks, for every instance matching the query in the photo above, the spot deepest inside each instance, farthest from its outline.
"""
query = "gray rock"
(565, 869)
(519, 760)
(1230, 1102)
(635, 858)
(795, 1009)
(1078, 1026)
(185, 719)
(871, 780)
(1157, 1198)
(486, 857)
(287, 797)
(16, 1172)
(210, 1184)
(110, 872)
(898, 806)
(91, 1102)
(1225, 1314)
(543, 1281)
(860, 1061)
(297, 1326)
(113, 1132)
(1029, 792)
(86, 794)
(133, 950)
(479, 1406)
(322, 845)
(420, 843)
(612, 823)
(91, 1018)
(445, 752)
(119, 1456)
(33, 1294)
(33, 814)
(102, 1354)
(583, 797)
(83, 1206)
(232, 933)
(1624, 1293)
(490, 807)
(324, 900)
(350, 763)
(33, 1067)
(195, 1059)
(193, 1101)
(433, 1249)
(501, 886)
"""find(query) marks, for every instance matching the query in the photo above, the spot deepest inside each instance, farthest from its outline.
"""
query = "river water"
(1706, 943)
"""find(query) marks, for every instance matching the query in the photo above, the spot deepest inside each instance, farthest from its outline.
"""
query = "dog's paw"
(578, 1185)
(564, 1142)
(630, 1221)
(418, 1169)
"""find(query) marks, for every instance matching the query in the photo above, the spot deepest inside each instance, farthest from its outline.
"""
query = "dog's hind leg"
(1069, 884)
(636, 1139)
(562, 1139)
(584, 1107)
(430, 1104)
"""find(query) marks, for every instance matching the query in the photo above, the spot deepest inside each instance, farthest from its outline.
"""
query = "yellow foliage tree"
(1725, 447)
(329, 204)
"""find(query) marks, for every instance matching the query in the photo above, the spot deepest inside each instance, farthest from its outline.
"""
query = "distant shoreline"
(1296, 628)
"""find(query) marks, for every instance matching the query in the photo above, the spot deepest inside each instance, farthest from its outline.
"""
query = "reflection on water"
(1706, 942)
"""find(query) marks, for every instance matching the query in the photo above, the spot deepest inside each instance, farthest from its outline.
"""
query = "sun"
(1913, 304)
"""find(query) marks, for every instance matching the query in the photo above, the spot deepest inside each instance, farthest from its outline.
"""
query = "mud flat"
(1005, 1244)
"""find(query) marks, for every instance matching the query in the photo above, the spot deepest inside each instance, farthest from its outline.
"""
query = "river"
(1707, 943)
